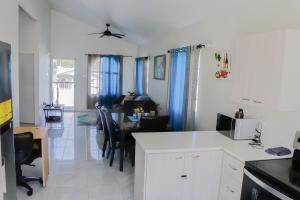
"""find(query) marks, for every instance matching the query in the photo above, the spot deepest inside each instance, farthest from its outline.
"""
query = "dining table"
(127, 125)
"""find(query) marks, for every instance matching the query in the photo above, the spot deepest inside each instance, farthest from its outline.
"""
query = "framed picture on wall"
(223, 64)
(160, 67)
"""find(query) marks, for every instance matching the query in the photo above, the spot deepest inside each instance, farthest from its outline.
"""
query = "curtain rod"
(199, 46)
(146, 57)
(94, 54)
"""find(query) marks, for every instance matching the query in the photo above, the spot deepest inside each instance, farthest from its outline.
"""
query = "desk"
(53, 118)
(39, 133)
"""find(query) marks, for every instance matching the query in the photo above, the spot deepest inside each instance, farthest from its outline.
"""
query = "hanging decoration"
(223, 64)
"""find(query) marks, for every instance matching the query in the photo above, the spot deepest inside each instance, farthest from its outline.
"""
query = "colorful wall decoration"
(223, 64)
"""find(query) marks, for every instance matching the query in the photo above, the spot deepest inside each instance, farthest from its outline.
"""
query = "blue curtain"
(178, 88)
(111, 73)
(139, 79)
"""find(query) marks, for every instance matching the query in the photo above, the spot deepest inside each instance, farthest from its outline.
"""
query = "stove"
(278, 176)
(273, 179)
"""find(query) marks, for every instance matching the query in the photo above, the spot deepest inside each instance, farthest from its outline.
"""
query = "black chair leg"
(25, 185)
(108, 153)
(30, 179)
(22, 180)
(112, 155)
(132, 150)
(104, 147)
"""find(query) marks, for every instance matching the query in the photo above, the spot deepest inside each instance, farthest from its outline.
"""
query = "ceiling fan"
(107, 32)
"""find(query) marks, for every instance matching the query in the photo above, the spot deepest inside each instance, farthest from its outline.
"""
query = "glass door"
(63, 71)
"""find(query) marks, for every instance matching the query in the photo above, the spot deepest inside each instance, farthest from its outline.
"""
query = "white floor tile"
(77, 169)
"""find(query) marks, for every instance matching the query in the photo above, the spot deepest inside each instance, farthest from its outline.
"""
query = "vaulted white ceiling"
(143, 19)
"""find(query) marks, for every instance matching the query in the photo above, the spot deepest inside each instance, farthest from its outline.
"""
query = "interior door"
(203, 171)
(26, 88)
(164, 179)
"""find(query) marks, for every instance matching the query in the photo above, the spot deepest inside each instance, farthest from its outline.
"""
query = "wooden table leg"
(45, 161)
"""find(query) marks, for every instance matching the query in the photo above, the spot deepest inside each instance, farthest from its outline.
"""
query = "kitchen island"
(191, 165)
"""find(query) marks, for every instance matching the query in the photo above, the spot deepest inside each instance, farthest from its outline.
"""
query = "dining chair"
(99, 123)
(113, 135)
(105, 132)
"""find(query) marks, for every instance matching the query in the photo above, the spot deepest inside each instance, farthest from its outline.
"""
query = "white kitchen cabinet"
(164, 179)
(266, 70)
(204, 172)
(180, 176)
(231, 179)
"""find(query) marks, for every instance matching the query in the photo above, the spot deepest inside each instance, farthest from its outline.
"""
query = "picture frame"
(160, 67)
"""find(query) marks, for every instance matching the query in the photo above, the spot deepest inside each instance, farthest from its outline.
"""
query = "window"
(63, 71)
(93, 81)
(104, 79)
(111, 73)
(141, 76)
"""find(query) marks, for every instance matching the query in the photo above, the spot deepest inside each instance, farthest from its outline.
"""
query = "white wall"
(28, 33)
(70, 40)
(9, 20)
(9, 34)
(215, 95)
(39, 10)
(28, 44)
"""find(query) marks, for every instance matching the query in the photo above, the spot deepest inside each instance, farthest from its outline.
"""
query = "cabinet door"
(243, 71)
(256, 87)
(237, 74)
(259, 65)
(203, 171)
(267, 64)
(164, 179)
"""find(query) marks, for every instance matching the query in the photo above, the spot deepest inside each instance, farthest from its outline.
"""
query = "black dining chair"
(113, 135)
(105, 132)
(26, 151)
(116, 129)
(99, 122)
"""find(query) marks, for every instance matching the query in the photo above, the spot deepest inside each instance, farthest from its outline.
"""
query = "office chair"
(26, 151)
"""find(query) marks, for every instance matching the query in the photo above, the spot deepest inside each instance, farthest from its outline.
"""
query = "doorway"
(26, 86)
(28, 65)
(63, 71)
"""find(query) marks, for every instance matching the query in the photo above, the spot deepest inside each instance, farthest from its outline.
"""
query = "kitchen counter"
(200, 141)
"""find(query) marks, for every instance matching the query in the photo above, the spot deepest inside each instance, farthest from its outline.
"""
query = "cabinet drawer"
(233, 168)
(230, 189)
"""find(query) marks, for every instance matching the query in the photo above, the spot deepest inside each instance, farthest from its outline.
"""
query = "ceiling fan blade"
(95, 33)
(118, 34)
(101, 36)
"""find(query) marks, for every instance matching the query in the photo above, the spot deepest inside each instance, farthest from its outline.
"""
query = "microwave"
(236, 129)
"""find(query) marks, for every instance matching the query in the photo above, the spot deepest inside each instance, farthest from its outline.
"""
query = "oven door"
(255, 189)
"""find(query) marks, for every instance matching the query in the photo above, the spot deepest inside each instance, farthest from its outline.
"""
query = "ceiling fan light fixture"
(107, 32)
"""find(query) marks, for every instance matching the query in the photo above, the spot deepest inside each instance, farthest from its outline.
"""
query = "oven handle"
(266, 187)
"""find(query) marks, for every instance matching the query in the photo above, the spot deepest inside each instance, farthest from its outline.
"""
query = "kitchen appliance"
(237, 129)
(239, 114)
(273, 179)
(7, 153)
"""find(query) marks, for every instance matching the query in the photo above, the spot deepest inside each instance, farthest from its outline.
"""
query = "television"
(5, 84)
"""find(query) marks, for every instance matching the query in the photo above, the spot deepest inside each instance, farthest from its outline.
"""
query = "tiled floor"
(77, 169)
